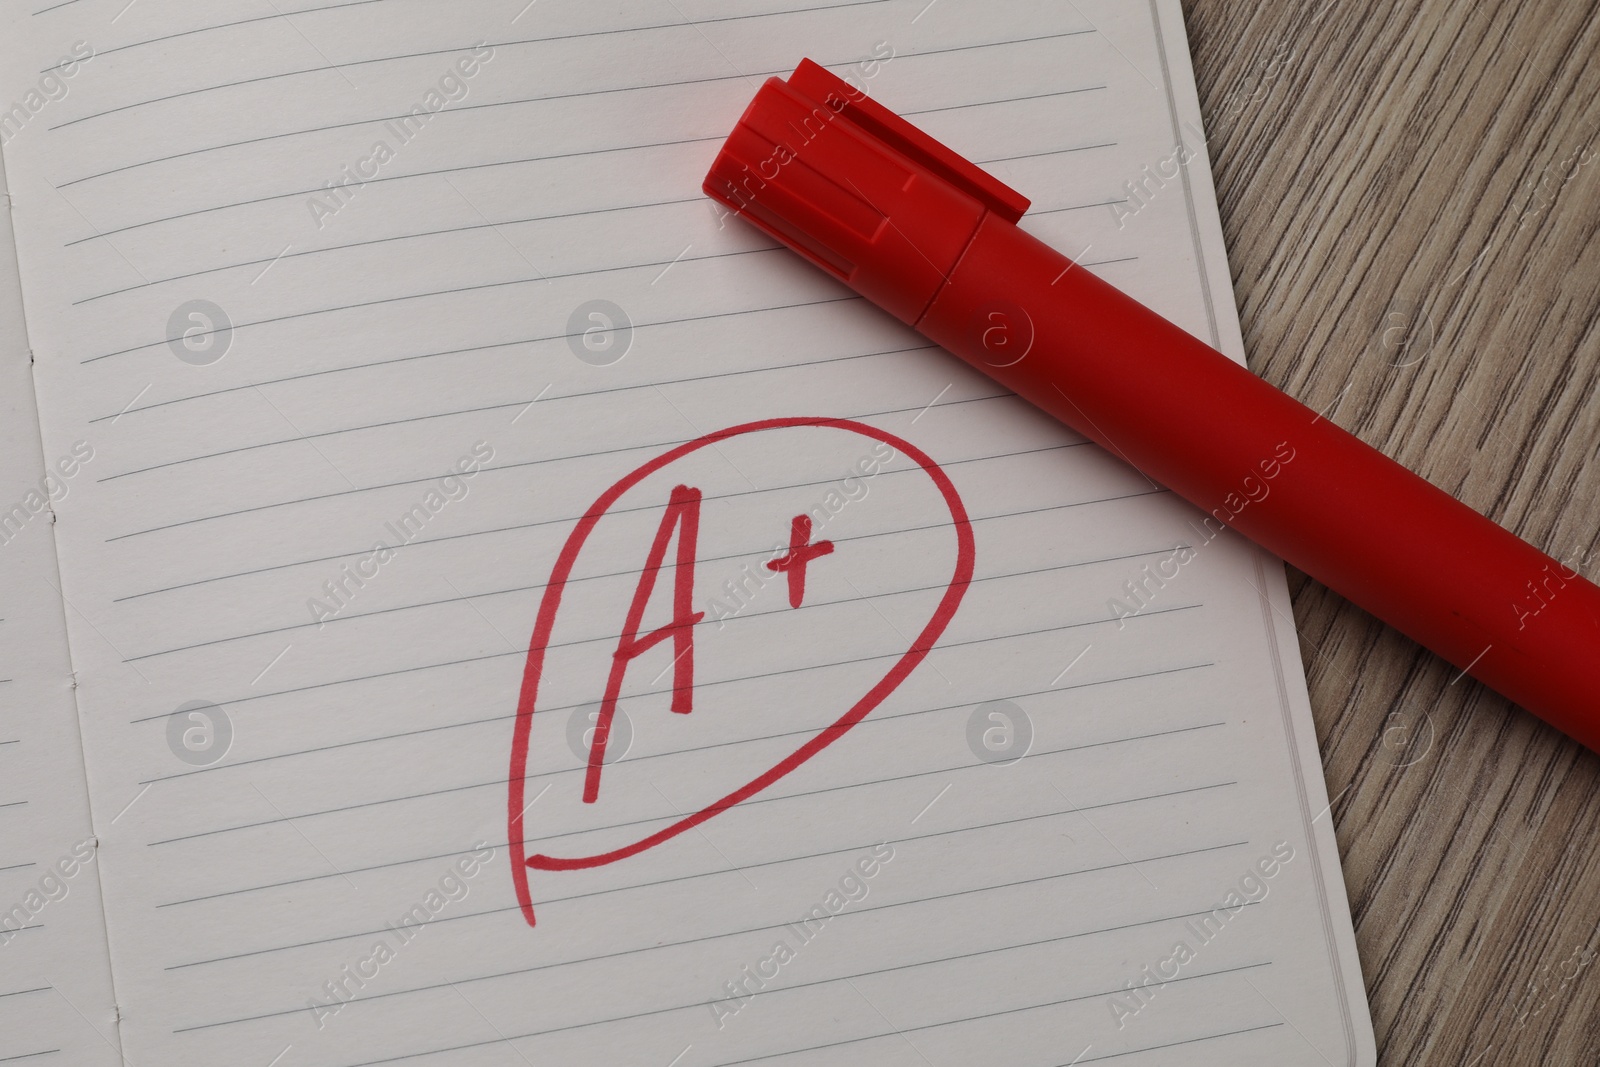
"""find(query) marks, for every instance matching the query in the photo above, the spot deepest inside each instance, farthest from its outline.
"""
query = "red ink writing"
(801, 552)
(681, 519)
(683, 514)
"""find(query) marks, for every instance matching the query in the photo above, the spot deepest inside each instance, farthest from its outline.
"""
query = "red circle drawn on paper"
(551, 603)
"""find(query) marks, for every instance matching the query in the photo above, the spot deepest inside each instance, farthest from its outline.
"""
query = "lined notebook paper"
(403, 340)
(55, 982)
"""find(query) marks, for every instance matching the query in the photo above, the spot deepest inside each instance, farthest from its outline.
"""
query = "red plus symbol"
(801, 552)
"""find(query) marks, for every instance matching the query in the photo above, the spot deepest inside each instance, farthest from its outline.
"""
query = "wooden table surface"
(1411, 194)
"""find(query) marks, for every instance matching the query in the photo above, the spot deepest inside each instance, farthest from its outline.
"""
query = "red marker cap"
(855, 188)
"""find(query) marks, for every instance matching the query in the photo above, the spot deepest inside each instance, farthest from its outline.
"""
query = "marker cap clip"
(855, 189)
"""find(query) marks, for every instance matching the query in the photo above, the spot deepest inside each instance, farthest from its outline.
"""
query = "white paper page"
(56, 1004)
(314, 735)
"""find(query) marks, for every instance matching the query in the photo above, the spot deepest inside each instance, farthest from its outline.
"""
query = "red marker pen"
(932, 239)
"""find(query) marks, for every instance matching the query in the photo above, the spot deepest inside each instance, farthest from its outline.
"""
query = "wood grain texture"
(1410, 254)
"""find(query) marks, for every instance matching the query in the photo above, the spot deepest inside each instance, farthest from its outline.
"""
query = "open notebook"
(338, 318)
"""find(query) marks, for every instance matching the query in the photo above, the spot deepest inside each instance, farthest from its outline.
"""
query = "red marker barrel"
(932, 239)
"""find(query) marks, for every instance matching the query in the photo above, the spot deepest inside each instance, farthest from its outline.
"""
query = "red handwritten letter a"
(683, 514)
